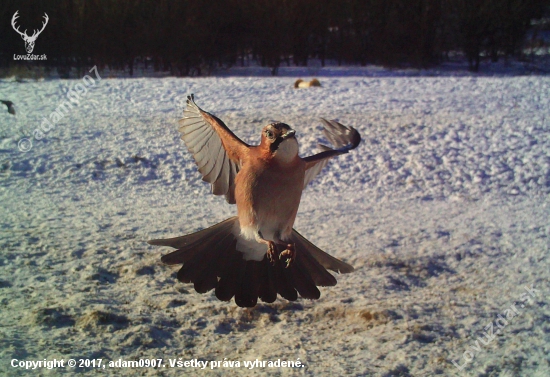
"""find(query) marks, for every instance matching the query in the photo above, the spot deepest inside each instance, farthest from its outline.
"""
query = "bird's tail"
(211, 261)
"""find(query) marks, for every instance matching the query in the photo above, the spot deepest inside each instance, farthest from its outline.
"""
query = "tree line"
(192, 37)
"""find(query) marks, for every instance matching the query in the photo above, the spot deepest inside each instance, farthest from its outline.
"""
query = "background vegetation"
(191, 37)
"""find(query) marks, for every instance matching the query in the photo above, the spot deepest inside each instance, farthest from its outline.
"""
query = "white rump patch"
(247, 244)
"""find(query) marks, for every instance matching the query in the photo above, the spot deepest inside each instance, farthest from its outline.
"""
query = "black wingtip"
(344, 138)
(355, 139)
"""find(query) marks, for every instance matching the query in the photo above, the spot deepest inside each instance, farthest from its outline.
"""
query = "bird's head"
(280, 140)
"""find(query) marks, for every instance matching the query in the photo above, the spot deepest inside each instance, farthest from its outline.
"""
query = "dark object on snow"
(306, 84)
(9, 104)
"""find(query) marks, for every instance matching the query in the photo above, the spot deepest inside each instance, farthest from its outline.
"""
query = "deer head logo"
(29, 40)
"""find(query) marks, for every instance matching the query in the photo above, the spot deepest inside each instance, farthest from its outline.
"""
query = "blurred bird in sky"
(9, 104)
(256, 254)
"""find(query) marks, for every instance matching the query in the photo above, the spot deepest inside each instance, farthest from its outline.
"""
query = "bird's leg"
(289, 253)
(271, 248)
(272, 252)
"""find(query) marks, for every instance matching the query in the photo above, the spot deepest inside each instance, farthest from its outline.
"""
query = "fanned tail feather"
(211, 261)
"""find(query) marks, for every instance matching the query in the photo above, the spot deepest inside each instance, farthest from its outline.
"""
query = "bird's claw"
(271, 252)
(289, 253)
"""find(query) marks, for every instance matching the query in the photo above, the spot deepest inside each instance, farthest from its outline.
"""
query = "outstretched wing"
(216, 150)
(342, 137)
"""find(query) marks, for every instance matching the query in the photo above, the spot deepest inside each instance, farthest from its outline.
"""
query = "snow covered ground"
(443, 210)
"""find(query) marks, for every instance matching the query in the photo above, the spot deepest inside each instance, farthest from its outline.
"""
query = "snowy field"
(443, 210)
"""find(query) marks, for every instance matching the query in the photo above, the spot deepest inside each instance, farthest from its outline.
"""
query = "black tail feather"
(229, 282)
(217, 267)
(324, 259)
(302, 280)
(285, 285)
(268, 287)
(211, 261)
(247, 294)
(318, 273)
(195, 268)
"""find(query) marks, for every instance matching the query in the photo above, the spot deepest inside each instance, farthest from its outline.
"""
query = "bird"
(256, 254)
(9, 104)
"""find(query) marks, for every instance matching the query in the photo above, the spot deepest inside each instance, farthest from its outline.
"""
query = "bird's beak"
(288, 134)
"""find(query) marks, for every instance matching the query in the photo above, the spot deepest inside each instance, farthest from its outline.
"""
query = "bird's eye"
(269, 134)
